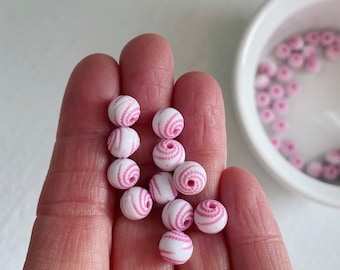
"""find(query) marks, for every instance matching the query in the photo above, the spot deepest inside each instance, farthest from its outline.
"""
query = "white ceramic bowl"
(320, 128)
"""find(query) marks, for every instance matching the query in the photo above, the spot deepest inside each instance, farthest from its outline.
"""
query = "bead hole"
(191, 183)
(170, 145)
(212, 205)
(186, 223)
(132, 179)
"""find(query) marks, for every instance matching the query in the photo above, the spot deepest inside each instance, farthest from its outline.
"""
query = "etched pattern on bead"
(123, 173)
(136, 203)
(124, 111)
(190, 178)
(175, 247)
(162, 188)
(168, 123)
(178, 215)
(123, 142)
(168, 154)
(210, 216)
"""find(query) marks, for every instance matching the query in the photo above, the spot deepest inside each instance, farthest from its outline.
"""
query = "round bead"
(333, 157)
(178, 215)
(296, 60)
(280, 125)
(168, 154)
(190, 178)
(276, 141)
(268, 68)
(136, 203)
(262, 100)
(162, 188)
(327, 38)
(333, 52)
(276, 91)
(330, 172)
(297, 161)
(309, 51)
(296, 43)
(280, 106)
(210, 216)
(123, 142)
(288, 147)
(123, 173)
(312, 65)
(293, 88)
(267, 116)
(175, 247)
(168, 123)
(314, 169)
(124, 111)
(312, 37)
(282, 51)
(261, 82)
(284, 74)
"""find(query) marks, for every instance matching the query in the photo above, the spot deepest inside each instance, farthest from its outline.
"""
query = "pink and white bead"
(330, 172)
(280, 126)
(297, 161)
(333, 157)
(293, 88)
(124, 111)
(162, 188)
(190, 178)
(267, 68)
(314, 169)
(168, 154)
(178, 215)
(262, 100)
(309, 51)
(296, 60)
(136, 203)
(176, 247)
(210, 216)
(289, 147)
(123, 173)
(327, 38)
(283, 51)
(280, 107)
(267, 116)
(313, 38)
(312, 65)
(168, 123)
(296, 43)
(332, 53)
(123, 142)
(276, 141)
(261, 82)
(284, 74)
(276, 91)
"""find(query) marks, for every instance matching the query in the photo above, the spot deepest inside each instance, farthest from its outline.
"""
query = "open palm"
(79, 224)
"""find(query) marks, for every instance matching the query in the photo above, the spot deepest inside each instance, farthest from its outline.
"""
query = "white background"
(40, 43)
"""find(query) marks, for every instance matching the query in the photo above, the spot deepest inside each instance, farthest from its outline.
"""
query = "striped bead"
(124, 111)
(123, 142)
(123, 173)
(162, 188)
(168, 154)
(168, 123)
(177, 215)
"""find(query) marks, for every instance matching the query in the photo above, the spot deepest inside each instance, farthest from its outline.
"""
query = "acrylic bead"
(280, 107)
(123, 173)
(276, 91)
(333, 157)
(296, 43)
(261, 82)
(162, 188)
(190, 178)
(136, 203)
(267, 116)
(280, 126)
(267, 68)
(276, 141)
(178, 215)
(124, 111)
(282, 51)
(297, 161)
(332, 53)
(327, 38)
(168, 154)
(330, 172)
(288, 147)
(314, 169)
(309, 51)
(168, 123)
(312, 65)
(123, 142)
(312, 38)
(293, 88)
(284, 74)
(296, 60)
(262, 100)
(175, 247)
(210, 216)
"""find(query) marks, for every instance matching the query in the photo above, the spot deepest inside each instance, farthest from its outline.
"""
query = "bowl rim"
(316, 190)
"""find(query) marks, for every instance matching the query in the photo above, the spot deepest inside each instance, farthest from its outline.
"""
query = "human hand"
(79, 224)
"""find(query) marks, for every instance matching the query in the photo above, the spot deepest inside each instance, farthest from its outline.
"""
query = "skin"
(79, 224)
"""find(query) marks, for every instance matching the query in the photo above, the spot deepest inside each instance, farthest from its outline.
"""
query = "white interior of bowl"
(278, 20)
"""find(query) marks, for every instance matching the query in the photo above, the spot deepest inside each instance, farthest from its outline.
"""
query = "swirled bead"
(123, 173)
(175, 247)
(190, 178)
(210, 216)
(123, 142)
(168, 154)
(136, 203)
(178, 215)
(124, 111)
(162, 188)
(168, 123)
